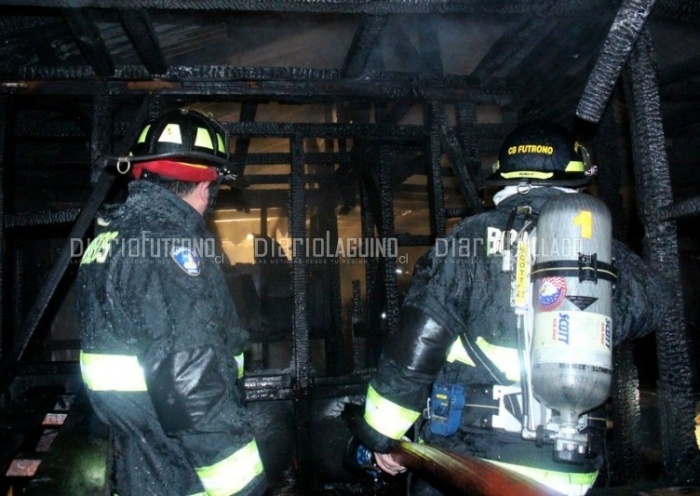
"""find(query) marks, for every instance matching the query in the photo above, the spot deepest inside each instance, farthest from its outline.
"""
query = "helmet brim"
(220, 163)
(225, 168)
(556, 179)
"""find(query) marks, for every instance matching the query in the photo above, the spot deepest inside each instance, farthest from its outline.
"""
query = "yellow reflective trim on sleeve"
(99, 249)
(459, 354)
(563, 482)
(220, 143)
(240, 362)
(506, 359)
(103, 372)
(203, 139)
(386, 417)
(230, 475)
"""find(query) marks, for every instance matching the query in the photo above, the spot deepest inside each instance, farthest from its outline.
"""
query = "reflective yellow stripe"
(527, 174)
(575, 166)
(111, 372)
(232, 474)
(506, 359)
(203, 139)
(565, 483)
(459, 354)
(387, 417)
(142, 136)
(220, 143)
(240, 362)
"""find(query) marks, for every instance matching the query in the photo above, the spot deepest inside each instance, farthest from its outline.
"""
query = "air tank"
(571, 351)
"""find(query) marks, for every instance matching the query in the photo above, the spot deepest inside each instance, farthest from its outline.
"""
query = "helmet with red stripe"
(183, 145)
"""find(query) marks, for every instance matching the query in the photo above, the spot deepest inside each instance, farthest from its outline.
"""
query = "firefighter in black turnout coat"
(457, 327)
(162, 347)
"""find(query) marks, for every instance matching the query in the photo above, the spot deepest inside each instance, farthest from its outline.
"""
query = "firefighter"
(162, 347)
(458, 328)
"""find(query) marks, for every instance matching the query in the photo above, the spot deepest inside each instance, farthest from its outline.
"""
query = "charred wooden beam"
(240, 153)
(297, 224)
(511, 47)
(268, 387)
(676, 384)
(431, 56)
(523, 7)
(101, 188)
(139, 29)
(435, 187)
(89, 40)
(370, 219)
(386, 231)
(294, 84)
(41, 218)
(39, 127)
(451, 146)
(285, 158)
(550, 53)
(328, 130)
(468, 136)
(301, 347)
(679, 210)
(280, 83)
(253, 179)
(623, 34)
(363, 42)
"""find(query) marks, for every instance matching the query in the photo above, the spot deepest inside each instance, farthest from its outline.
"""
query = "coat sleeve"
(638, 296)
(190, 335)
(411, 359)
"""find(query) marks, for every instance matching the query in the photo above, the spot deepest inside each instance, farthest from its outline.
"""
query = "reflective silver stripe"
(232, 474)
(565, 483)
(111, 372)
(506, 359)
(387, 417)
(240, 362)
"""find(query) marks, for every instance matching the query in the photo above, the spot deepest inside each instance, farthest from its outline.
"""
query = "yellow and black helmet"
(185, 145)
(541, 152)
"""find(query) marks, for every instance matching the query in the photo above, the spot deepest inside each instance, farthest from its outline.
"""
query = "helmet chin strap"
(213, 193)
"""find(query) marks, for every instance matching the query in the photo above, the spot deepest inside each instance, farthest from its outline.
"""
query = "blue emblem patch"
(186, 259)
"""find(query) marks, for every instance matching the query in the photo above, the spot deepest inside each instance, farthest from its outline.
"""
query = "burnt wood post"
(676, 384)
(436, 193)
(300, 314)
(386, 233)
(627, 440)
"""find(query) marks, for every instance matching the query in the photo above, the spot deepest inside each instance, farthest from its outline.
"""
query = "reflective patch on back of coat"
(186, 259)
